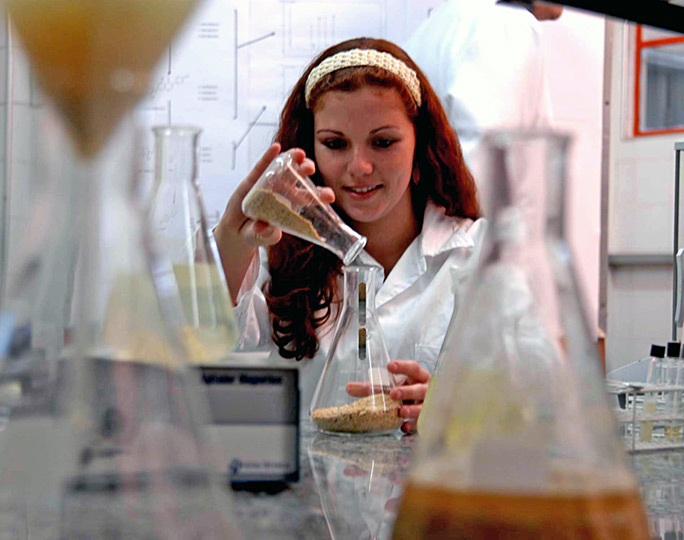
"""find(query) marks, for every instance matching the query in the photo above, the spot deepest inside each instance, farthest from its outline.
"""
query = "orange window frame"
(640, 45)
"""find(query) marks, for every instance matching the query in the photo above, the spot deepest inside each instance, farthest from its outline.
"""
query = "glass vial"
(672, 429)
(352, 395)
(654, 378)
(522, 441)
(182, 239)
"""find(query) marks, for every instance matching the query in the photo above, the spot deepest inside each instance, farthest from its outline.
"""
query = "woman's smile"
(363, 193)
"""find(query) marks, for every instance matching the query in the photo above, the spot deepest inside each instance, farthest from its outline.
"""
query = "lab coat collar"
(440, 234)
(443, 233)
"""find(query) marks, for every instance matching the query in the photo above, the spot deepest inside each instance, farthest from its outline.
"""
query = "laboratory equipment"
(35, 319)
(352, 395)
(94, 59)
(182, 237)
(654, 376)
(670, 379)
(284, 197)
(122, 436)
(521, 441)
(254, 421)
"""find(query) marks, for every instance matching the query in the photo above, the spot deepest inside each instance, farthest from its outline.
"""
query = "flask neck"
(176, 151)
(526, 177)
(359, 288)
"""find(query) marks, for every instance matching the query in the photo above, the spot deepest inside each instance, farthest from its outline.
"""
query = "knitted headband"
(364, 57)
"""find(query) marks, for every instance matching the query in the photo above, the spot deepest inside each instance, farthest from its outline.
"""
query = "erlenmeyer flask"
(521, 441)
(352, 395)
(123, 434)
(181, 234)
(136, 466)
(283, 197)
(35, 319)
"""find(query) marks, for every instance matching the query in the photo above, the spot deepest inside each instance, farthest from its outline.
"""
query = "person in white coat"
(485, 61)
(370, 131)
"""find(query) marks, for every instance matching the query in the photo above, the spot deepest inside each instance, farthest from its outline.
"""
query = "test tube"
(672, 362)
(653, 379)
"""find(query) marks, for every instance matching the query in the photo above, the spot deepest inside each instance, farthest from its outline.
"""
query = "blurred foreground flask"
(518, 440)
(352, 395)
(33, 320)
(122, 434)
(180, 227)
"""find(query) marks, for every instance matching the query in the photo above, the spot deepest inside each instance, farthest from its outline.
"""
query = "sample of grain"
(267, 206)
(366, 415)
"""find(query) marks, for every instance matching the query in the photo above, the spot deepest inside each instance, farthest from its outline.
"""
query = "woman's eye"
(334, 144)
(383, 143)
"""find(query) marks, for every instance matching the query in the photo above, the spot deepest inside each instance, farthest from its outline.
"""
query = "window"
(659, 82)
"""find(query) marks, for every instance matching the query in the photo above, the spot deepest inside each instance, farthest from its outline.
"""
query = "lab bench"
(350, 488)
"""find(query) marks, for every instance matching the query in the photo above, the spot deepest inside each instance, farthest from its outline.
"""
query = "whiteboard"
(232, 66)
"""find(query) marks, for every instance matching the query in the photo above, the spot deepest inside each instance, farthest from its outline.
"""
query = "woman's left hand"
(412, 383)
(411, 391)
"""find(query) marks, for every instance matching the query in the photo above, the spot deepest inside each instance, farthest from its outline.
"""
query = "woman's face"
(364, 143)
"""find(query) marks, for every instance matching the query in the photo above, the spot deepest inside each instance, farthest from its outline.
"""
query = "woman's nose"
(360, 164)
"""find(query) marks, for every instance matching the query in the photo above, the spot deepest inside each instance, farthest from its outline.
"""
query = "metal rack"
(662, 427)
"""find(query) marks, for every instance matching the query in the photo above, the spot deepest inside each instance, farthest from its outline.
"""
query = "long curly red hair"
(304, 277)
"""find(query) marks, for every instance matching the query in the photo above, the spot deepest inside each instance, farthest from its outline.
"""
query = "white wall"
(574, 62)
(641, 220)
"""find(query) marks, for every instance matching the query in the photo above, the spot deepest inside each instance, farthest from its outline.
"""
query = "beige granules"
(275, 209)
(365, 415)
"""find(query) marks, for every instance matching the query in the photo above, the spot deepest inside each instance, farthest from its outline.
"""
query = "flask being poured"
(283, 197)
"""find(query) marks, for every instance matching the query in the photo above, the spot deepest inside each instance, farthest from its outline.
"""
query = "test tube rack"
(659, 426)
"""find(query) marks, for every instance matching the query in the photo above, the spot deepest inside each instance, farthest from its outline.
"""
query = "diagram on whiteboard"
(232, 67)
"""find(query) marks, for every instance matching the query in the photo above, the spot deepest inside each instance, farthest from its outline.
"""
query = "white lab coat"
(485, 62)
(414, 303)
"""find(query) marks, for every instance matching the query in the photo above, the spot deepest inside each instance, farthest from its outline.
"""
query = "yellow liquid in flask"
(93, 57)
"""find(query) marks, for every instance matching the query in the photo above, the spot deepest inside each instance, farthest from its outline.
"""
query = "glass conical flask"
(35, 319)
(123, 437)
(94, 58)
(181, 234)
(283, 197)
(352, 395)
(521, 441)
(131, 410)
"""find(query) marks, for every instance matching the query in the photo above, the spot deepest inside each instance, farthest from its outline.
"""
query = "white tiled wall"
(642, 195)
(641, 221)
(639, 309)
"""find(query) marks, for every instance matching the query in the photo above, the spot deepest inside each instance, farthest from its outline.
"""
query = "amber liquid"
(93, 57)
(436, 513)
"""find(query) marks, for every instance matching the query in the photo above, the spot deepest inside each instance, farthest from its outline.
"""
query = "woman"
(372, 134)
